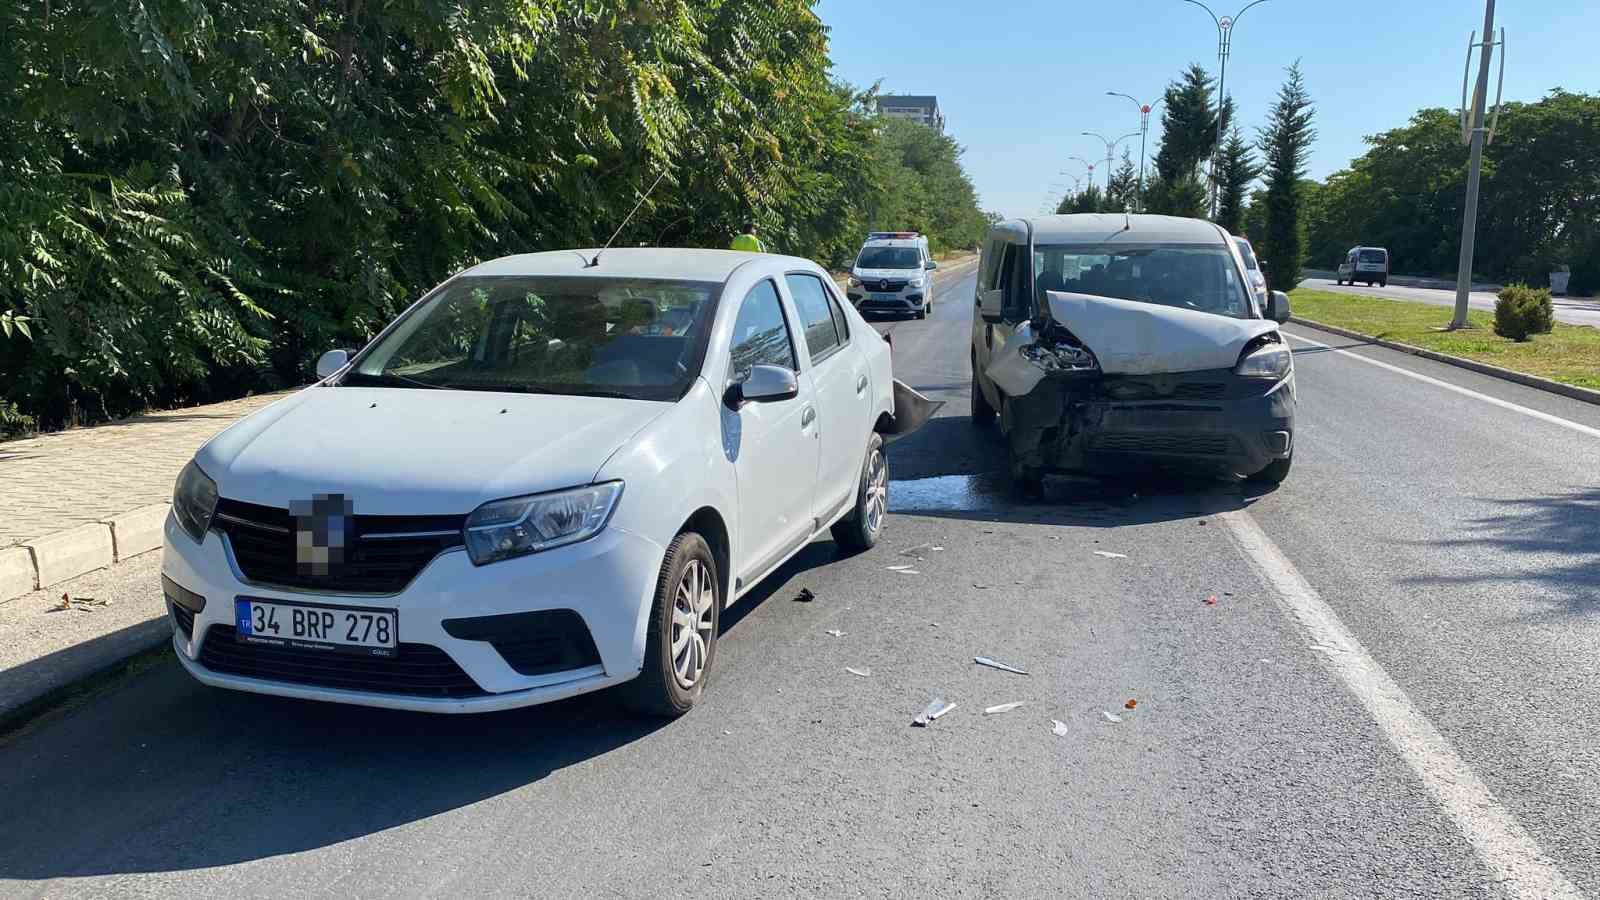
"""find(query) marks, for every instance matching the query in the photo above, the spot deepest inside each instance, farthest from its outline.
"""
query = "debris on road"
(996, 664)
(935, 708)
(981, 587)
(920, 551)
(1211, 600)
(1004, 708)
(1059, 727)
(805, 596)
(1111, 717)
(1109, 555)
(899, 568)
(1131, 704)
(835, 632)
(864, 673)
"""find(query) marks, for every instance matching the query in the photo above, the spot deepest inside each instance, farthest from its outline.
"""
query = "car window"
(839, 321)
(1186, 276)
(822, 335)
(624, 337)
(1372, 256)
(760, 334)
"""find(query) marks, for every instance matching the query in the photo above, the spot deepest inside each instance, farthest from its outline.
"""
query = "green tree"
(1123, 193)
(1238, 169)
(1088, 200)
(1285, 142)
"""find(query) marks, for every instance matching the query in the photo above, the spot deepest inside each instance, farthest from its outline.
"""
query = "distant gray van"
(1369, 264)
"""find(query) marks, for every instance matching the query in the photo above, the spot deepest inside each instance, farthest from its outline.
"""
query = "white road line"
(1466, 392)
(1500, 841)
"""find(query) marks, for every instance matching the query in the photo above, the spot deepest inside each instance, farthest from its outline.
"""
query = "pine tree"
(1188, 126)
(1284, 143)
(1123, 193)
(1237, 171)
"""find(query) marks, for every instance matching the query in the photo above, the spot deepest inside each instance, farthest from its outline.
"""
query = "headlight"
(918, 280)
(502, 529)
(194, 499)
(854, 281)
(1270, 361)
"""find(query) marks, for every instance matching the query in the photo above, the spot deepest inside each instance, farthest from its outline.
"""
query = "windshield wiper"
(388, 379)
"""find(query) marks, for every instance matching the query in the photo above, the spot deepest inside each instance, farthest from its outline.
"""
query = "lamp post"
(1475, 135)
(1111, 147)
(1224, 47)
(1144, 130)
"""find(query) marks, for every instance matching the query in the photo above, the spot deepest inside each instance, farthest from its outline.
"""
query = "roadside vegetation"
(1567, 353)
(197, 199)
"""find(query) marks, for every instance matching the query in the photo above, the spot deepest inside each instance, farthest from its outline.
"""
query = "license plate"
(309, 626)
(885, 298)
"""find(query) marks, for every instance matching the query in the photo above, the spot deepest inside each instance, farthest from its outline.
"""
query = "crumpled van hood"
(1133, 338)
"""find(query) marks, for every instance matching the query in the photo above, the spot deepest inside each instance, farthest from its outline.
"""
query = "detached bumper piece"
(417, 670)
(533, 643)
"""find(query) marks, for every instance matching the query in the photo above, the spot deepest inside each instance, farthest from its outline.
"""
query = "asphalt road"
(1573, 311)
(1392, 695)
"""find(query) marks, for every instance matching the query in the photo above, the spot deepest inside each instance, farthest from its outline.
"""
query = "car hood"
(1132, 338)
(396, 451)
(890, 274)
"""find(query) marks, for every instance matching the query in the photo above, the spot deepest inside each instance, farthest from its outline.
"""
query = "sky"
(1020, 81)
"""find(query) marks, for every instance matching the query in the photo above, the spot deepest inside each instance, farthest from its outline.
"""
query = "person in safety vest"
(747, 241)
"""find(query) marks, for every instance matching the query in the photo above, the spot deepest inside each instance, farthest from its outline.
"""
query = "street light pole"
(1224, 47)
(1144, 130)
(1477, 137)
(1110, 148)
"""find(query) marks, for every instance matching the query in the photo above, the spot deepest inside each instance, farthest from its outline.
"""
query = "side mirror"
(764, 384)
(1261, 264)
(931, 265)
(991, 306)
(1278, 307)
(331, 362)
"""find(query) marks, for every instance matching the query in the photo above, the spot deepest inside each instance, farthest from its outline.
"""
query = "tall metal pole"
(1224, 47)
(1469, 219)
(1110, 147)
(1144, 130)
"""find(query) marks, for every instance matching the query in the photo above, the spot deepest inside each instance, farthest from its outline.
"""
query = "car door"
(1011, 277)
(774, 446)
(839, 377)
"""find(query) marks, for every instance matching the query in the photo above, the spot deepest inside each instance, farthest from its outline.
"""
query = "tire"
(661, 688)
(982, 413)
(1275, 472)
(923, 312)
(1339, 282)
(861, 529)
(1383, 283)
(1027, 481)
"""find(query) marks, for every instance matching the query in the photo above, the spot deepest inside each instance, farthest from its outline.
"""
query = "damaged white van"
(1113, 342)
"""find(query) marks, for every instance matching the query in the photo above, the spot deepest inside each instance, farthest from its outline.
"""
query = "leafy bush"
(1522, 311)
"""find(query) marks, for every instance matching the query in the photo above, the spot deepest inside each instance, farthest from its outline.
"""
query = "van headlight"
(194, 499)
(502, 529)
(854, 281)
(1272, 361)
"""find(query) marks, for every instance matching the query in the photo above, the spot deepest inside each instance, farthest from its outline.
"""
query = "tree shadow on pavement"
(1559, 537)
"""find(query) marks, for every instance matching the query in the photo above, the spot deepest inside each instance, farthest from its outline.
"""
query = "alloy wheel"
(693, 623)
(877, 498)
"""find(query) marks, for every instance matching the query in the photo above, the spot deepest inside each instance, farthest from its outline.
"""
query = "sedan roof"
(674, 264)
(1096, 228)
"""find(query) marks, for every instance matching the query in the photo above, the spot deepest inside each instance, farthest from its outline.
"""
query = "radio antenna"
(642, 198)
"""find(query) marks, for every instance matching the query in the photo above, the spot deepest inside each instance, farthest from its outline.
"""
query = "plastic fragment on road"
(935, 708)
(1109, 555)
(864, 673)
(1131, 704)
(1111, 717)
(805, 596)
(981, 587)
(996, 664)
(919, 551)
(835, 632)
(1059, 727)
(1004, 708)
(1211, 600)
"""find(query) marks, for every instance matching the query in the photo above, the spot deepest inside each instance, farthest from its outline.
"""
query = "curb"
(53, 558)
(1533, 381)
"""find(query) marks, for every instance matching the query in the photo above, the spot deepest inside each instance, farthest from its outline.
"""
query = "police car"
(893, 274)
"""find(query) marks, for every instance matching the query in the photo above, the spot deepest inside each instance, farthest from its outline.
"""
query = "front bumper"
(1211, 421)
(906, 300)
(608, 581)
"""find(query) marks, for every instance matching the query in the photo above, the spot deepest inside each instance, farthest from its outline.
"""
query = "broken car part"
(996, 664)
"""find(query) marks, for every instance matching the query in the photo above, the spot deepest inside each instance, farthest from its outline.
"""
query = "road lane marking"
(1499, 840)
(1466, 392)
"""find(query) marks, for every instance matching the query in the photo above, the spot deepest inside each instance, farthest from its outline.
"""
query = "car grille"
(1165, 444)
(183, 619)
(891, 285)
(1200, 390)
(416, 670)
(262, 538)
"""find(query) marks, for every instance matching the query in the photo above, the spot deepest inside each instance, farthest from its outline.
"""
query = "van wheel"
(681, 642)
(1383, 283)
(860, 530)
(982, 412)
(923, 312)
(1027, 481)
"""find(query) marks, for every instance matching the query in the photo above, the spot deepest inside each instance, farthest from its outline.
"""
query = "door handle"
(861, 384)
(807, 416)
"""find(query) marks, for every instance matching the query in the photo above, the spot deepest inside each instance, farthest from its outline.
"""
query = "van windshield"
(889, 258)
(1201, 277)
(602, 337)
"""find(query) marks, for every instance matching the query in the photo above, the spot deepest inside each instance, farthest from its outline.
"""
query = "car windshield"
(1187, 276)
(608, 337)
(1372, 256)
(889, 258)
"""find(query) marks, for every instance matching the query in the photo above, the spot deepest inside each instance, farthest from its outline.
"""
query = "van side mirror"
(331, 362)
(1278, 307)
(991, 306)
(931, 265)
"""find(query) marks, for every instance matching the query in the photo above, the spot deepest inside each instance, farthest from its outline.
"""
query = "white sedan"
(545, 478)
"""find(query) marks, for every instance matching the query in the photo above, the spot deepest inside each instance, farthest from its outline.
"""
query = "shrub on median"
(1522, 312)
